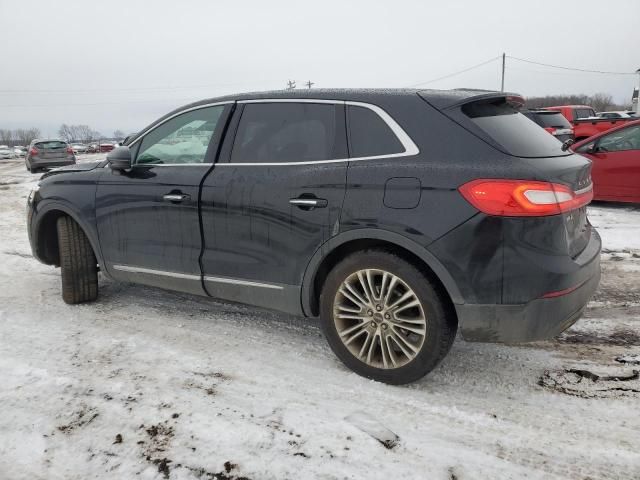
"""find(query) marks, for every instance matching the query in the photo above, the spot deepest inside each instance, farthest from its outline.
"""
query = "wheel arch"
(332, 251)
(45, 233)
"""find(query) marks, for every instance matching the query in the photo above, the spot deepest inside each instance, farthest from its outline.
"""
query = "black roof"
(442, 98)
(438, 98)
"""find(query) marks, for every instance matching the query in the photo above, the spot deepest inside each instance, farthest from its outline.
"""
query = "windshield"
(515, 133)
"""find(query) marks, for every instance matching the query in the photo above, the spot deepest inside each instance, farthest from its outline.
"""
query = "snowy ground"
(149, 384)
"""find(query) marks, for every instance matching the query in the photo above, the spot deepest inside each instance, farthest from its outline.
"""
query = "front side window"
(369, 134)
(182, 140)
(286, 132)
(626, 139)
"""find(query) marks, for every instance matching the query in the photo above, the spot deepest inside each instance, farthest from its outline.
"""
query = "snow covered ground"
(150, 384)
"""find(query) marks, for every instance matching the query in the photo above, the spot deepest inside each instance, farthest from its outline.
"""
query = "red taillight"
(69, 150)
(523, 198)
(33, 152)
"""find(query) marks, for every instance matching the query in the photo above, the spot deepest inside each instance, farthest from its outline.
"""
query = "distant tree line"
(601, 102)
(83, 134)
(19, 136)
(78, 133)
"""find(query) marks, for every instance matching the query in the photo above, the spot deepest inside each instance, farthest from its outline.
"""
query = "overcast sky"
(120, 64)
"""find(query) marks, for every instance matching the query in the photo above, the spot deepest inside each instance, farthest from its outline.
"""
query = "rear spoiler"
(445, 100)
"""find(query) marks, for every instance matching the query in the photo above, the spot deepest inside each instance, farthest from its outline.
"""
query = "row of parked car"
(7, 152)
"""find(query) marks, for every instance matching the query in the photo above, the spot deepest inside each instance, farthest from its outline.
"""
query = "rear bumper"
(538, 319)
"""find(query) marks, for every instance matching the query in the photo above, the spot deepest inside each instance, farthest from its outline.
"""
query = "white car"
(618, 114)
(6, 152)
(79, 148)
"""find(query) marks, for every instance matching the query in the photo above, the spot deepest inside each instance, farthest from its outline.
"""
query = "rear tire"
(375, 332)
(78, 264)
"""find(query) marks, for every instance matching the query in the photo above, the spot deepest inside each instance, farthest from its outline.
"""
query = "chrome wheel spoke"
(379, 318)
(352, 296)
(364, 284)
(411, 328)
(356, 330)
(407, 348)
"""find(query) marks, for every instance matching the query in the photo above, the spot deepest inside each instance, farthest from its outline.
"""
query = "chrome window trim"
(198, 107)
(187, 276)
(410, 148)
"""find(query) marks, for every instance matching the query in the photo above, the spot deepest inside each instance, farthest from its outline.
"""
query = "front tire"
(78, 265)
(384, 318)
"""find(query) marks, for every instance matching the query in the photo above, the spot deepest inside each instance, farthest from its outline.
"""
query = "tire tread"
(78, 263)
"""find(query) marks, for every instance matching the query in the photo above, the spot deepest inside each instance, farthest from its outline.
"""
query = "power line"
(125, 89)
(158, 101)
(569, 68)
(456, 73)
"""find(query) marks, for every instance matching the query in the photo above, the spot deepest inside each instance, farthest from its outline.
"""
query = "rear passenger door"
(273, 199)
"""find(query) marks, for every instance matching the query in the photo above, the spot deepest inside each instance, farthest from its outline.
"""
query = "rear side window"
(369, 135)
(51, 145)
(554, 120)
(512, 131)
(584, 113)
(287, 132)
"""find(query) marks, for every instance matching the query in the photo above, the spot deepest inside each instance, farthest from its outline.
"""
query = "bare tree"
(6, 135)
(118, 134)
(82, 132)
(76, 133)
(601, 102)
(26, 135)
(65, 132)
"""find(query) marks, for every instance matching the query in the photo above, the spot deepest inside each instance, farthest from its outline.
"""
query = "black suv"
(397, 216)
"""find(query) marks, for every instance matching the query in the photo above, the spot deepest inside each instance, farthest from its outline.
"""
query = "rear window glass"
(584, 113)
(52, 145)
(369, 135)
(555, 120)
(511, 130)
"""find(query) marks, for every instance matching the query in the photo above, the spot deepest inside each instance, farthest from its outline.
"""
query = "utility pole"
(635, 101)
(291, 84)
(309, 84)
(503, 62)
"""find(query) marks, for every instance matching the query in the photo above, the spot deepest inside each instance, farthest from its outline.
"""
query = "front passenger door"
(148, 219)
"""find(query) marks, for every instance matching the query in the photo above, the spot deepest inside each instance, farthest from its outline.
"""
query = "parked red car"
(106, 147)
(585, 122)
(616, 162)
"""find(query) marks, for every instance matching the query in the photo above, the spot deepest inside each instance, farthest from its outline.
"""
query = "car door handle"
(176, 197)
(308, 203)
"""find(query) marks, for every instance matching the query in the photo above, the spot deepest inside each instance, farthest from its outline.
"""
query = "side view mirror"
(119, 158)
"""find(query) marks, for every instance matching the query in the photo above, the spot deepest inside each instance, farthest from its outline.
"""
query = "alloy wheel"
(379, 318)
